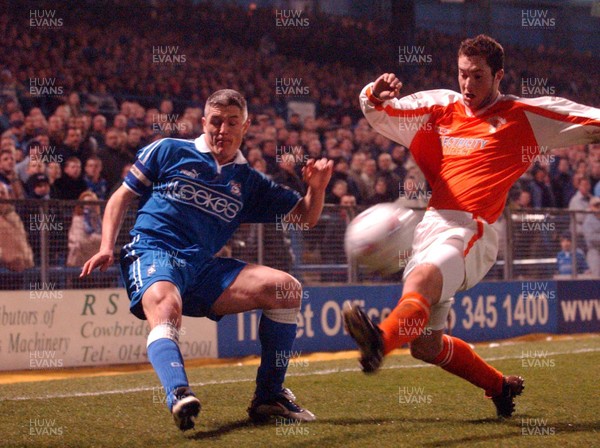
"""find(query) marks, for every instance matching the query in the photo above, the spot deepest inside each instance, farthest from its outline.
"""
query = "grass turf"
(406, 404)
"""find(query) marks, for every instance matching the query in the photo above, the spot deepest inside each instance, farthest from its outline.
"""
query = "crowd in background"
(79, 100)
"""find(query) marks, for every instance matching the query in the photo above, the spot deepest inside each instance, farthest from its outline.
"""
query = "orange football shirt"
(472, 159)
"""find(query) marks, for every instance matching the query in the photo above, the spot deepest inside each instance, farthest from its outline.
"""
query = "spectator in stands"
(399, 158)
(17, 129)
(595, 177)
(261, 165)
(333, 151)
(8, 175)
(386, 168)
(253, 154)
(36, 166)
(340, 172)
(53, 171)
(591, 233)
(92, 106)
(581, 200)
(166, 107)
(89, 145)
(113, 157)
(34, 151)
(120, 122)
(524, 200)
(286, 173)
(564, 258)
(562, 184)
(338, 190)
(56, 130)
(582, 168)
(9, 106)
(134, 140)
(382, 191)
(269, 152)
(541, 193)
(73, 146)
(336, 221)
(95, 183)
(99, 129)
(315, 149)
(357, 163)
(564, 263)
(71, 184)
(15, 251)
(85, 233)
(38, 186)
(369, 174)
(74, 104)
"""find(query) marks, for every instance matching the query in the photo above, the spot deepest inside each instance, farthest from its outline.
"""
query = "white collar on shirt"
(202, 146)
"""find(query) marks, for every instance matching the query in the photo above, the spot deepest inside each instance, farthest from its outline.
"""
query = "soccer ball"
(380, 238)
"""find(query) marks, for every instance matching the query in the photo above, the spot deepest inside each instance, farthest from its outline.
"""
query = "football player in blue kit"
(193, 195)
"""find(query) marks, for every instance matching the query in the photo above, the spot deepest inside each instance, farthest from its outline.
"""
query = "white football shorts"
(464, 247)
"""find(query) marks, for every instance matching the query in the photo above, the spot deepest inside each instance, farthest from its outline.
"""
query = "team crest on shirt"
(496, 123)
(151, 269)
(235, 187)
(442, 131)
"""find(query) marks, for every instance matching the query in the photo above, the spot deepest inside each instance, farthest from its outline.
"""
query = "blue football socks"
(165, 356)
(277, 340)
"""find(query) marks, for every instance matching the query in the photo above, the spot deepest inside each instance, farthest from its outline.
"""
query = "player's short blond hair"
(227, 97)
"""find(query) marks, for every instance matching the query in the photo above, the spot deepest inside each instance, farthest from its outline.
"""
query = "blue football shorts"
(200, 278)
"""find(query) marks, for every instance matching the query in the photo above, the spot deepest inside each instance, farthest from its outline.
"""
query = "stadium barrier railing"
(529, 241)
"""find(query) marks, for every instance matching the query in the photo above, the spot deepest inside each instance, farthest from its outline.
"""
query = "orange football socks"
(458, 357)
(405, 322)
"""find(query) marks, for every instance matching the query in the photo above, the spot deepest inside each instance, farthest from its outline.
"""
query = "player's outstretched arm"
(111, 223)
(395, 117)
(316, 174)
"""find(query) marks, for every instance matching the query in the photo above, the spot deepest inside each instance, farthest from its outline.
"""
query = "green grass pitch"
(406, 404)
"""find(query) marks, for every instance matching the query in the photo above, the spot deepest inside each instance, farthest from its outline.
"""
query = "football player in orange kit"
(471, 147)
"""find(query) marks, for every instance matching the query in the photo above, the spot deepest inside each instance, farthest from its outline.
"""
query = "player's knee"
(426, 279)
(162, 306)
(284, 291)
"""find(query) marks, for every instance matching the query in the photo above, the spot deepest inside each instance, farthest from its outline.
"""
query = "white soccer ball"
(380, 238)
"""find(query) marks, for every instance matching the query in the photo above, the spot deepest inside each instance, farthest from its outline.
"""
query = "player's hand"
(103, 259)
(387, 87)
(317, 173)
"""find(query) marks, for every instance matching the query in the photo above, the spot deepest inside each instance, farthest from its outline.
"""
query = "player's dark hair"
(485, 47)
(227, 97)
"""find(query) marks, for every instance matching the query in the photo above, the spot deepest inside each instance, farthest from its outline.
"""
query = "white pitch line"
(247, 380)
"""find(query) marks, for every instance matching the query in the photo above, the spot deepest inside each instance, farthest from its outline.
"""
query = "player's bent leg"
(259, 287)
(162, 306)
(457, 357)
(405, 323)
(279, 295)
(422, 289)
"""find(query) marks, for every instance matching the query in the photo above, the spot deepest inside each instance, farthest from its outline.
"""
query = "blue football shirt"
(191, 203)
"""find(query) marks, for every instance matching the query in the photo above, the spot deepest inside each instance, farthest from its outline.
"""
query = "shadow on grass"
(242, 424)
(516, 423)
(222, 430)
(509, 424)
(246, 423)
